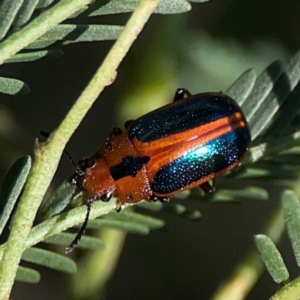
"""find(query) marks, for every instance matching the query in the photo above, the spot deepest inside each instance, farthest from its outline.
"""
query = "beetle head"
(96, 180)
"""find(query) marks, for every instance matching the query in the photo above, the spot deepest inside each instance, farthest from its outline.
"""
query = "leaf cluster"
(269, 101)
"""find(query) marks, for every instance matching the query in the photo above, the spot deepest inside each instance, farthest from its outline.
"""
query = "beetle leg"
(116, 131)
(180, 93)
(207, 187)
(161, 199)
(82, 229)
(118, 207)
(153, 198)
(128, 123)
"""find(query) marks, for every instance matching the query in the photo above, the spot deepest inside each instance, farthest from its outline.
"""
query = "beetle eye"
(106, 197)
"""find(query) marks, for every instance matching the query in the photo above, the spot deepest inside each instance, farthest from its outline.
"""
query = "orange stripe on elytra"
(202, 134)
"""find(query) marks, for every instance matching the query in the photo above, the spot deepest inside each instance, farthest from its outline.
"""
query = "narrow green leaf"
(291, 212)
(49, 259)
(121, 6)
(284, 177)
(27, 275)
(245, 173)
(59, 200)
(249, 192)
(182, 211)
(11, 188)
(287, 159)
(262, 88)
(44, 3)
(127, 215)
(67, 220)
(8, 11)
(268, 170)
(284, 85)
(287, 112)
(272, 258)
(25, 12)
(132, 227)
(176, 209)
(13, 86)
(242, 87)
(273, 147)
(153, 206)
(183, 195)
(71, 33)
(172, 7)
(32, 56)
(172, 208)
(194, 215)
(65, 238)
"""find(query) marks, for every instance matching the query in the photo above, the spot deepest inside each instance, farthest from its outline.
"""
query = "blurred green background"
(205, 49)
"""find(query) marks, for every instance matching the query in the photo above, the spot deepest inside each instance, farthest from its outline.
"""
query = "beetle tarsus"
(207, 187)
(118, 207)
(116, 131)
(161, 199)
(180, 93)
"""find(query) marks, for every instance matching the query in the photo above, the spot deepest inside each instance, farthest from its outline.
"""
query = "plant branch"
(64, 221)
(47, 155)
(288, 292)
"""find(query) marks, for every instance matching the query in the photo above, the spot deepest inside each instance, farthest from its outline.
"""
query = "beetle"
(177, 147)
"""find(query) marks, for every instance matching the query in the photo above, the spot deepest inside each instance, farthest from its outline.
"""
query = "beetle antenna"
(77, 168)
(82, 229)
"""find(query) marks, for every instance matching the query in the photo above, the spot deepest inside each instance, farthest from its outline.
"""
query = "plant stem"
(289, 291)
(47, 155)
(64, 221)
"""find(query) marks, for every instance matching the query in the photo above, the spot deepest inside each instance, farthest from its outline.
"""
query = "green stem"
(64, 221)
(47, 155)
(289, 291)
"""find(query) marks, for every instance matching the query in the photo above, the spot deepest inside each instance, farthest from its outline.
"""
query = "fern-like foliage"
(15, 15)
(271, 255)
(272, 111)
(269, 101)
(248, 91)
